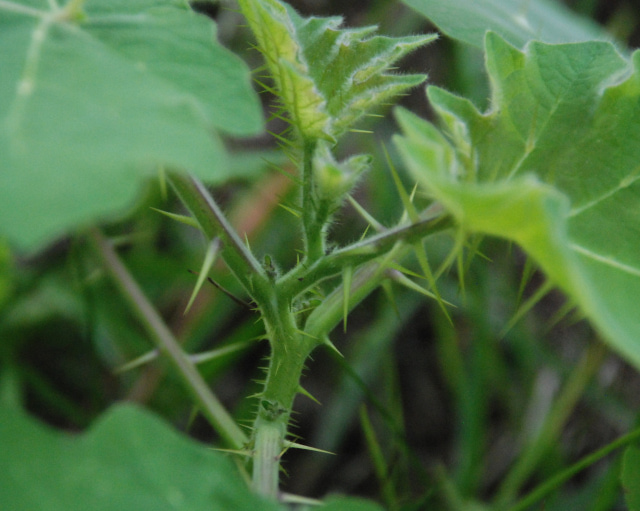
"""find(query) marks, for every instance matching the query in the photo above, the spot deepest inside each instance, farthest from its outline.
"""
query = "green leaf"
(516, 21)
(349, 504)
(631, 477)
(128, 461)
(90, 102)
(553, 166)
(327, 77)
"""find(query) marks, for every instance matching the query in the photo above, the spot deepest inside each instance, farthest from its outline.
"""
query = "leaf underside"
(553, 166)
(91, 103)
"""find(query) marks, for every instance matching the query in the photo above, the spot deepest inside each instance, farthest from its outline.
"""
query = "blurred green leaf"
(631, 477)
(129, 460)
(91, 102)
(553, 166)
(517, 21)
(350, 504)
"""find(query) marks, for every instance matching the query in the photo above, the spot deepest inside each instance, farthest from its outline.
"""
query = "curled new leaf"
(327, 77)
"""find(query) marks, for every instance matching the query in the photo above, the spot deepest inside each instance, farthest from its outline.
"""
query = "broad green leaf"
(631, 477)
(327, 77)
(518, 21)
(128, 461)
(91, 101)
(553, 165)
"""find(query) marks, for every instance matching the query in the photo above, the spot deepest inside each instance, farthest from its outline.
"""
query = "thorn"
(290, 210)
(200, 358)
(247, 305)
(404, 197)
(293, 445)
(525, 307)
(302, 332)
(347, 273)
(388, 290)
(327, 342)
(289, 498)
(137, 362)
(305, 392)
(242, 452)
(210, 257)
(184, 219)
(365, 214)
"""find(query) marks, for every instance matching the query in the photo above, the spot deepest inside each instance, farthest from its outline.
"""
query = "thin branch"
(213, 222)
(356, 254)
(209, 404)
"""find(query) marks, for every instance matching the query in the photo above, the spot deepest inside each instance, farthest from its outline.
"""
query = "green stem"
(209, 404)
(267, 449)
(552, 426)
(304, 276)
(558, 480)
(289, 351)
(203, 207)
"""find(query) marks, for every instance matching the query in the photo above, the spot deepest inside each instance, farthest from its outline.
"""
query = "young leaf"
(327, 77)
(517, 21)
(91, 101)
(553, 166)
(128, 461)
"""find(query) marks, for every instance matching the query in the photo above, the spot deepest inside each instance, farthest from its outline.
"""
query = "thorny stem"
(289, 351)
(238, 257)
(304, 276)
(210, 406)
(290, 343)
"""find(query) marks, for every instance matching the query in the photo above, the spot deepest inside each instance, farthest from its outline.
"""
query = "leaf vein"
(624, 183)
(609, 261)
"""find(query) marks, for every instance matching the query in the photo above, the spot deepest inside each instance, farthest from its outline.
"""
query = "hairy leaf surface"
(518, 21)
(553, 165)
(327, 77)
(91, 101)
(128, 461)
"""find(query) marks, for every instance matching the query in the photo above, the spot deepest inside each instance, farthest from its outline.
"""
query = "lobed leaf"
(327, 77)
(553, 165)
(91, 101)
(128, 461)
(516, 21)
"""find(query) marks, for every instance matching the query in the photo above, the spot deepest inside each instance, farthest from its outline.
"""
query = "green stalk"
(209, 404)
(289, 347)
(558, 480)
(289, 351)
(552, 426)
(304, 276)
(203, 207)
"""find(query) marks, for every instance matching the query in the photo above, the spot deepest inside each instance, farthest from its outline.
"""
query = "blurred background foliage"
(419, 410)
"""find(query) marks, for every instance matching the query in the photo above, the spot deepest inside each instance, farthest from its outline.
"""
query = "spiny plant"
(326, 78)
(506, 172)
